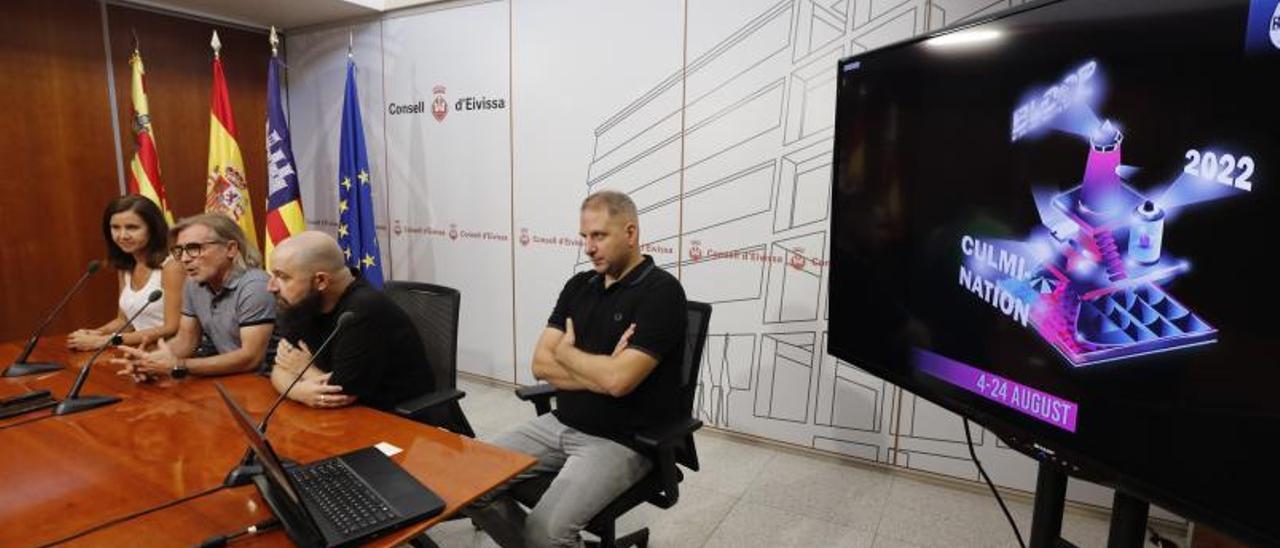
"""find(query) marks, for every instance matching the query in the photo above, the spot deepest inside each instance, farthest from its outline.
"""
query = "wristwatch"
(179, 371)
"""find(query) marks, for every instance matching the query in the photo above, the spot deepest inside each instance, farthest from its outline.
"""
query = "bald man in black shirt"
(376, 360)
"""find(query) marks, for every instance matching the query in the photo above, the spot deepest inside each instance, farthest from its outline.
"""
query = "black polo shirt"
(378, 356)
(649, 297)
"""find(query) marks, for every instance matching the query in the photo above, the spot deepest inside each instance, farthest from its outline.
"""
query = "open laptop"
(340, 500)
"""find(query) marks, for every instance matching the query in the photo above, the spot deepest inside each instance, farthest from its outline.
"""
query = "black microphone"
(20, 366)
(74, 402)
(243, 473)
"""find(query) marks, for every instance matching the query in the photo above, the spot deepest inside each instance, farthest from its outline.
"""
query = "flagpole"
(216, 44)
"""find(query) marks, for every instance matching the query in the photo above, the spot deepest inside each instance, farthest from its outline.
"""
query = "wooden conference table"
(60, 476)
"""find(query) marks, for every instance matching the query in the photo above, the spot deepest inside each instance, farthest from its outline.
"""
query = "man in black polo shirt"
(376, 360)
(613, 346)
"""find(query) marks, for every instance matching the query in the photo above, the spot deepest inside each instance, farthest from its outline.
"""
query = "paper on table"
(388, 449)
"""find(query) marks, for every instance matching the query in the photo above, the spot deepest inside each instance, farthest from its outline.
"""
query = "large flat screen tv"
(1062, 222)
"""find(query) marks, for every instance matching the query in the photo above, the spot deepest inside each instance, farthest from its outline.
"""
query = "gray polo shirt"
(243, 301)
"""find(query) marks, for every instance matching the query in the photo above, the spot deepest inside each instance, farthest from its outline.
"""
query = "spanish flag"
(227, 191)
(284, 199)
(144, 168)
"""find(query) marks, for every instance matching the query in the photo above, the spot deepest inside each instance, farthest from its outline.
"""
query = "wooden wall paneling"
(58, 150)
(59, 163)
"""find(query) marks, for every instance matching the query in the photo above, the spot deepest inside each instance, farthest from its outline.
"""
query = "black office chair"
(434, 312)
(668, 445)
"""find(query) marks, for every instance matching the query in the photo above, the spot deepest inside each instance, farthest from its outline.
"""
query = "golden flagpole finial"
(275, 41)
(216, 43)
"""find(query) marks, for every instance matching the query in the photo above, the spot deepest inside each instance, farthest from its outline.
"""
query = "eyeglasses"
(192, 250)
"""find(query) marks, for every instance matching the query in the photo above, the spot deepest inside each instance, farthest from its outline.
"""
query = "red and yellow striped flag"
(144, 168)
(227, 190)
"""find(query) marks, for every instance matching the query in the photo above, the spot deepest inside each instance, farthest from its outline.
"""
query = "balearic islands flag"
(144, 168)
(284, 199)
(227, 190)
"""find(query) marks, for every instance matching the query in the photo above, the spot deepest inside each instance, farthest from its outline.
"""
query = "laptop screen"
(266, 456)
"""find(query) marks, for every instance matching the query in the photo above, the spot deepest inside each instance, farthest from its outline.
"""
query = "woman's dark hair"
(157, 231)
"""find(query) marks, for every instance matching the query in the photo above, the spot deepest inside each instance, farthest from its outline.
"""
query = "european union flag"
(356, 232)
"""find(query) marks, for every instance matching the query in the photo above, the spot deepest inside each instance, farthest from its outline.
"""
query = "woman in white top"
(137, 245)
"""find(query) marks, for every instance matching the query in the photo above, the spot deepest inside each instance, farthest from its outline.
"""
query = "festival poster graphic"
(1091, 280)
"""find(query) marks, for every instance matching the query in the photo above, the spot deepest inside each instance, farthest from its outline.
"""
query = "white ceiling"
(284, 14)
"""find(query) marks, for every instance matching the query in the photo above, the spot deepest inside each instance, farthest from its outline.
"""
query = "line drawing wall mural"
(750, 222)
(725, 370)
(785, 373)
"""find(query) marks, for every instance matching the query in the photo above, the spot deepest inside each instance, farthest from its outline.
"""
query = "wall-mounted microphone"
(244, 472)
(20, 366)
(75, 402)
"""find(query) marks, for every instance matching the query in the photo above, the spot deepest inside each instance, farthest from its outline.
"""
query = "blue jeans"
(589, 472)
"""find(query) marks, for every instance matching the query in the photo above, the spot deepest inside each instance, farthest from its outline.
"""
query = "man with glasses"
(228, 316)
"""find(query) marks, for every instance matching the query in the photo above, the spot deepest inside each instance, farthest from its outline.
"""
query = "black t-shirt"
(378, 356)
(649, 297)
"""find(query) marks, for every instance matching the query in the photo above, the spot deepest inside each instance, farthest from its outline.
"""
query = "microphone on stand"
(20, 366)
(244, 472)
(74, 402)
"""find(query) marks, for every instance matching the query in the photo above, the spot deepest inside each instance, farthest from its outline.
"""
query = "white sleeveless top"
(131, 301)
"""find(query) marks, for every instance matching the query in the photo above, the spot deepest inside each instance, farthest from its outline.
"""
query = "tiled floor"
(751, 494)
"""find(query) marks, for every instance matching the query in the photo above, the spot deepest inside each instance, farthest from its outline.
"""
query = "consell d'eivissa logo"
(440, 104)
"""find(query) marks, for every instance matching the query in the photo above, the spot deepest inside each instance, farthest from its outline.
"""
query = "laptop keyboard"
(345, 500)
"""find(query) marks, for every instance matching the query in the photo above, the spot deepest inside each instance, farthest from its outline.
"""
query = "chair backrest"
(699, 318)
(434, 312)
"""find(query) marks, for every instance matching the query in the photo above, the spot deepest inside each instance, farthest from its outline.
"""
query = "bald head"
(306, 266)
(309, 252)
